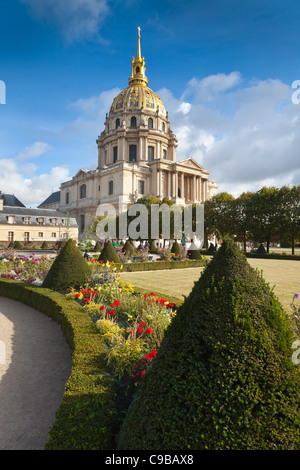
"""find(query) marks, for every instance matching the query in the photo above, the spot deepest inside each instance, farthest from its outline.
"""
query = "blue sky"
(223, 69)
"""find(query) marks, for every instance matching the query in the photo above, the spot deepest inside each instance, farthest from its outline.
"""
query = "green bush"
(87, 418)
(211, 249)
(152, 247)
(128, 248)
(17, 246)
(45, 245)
(194, 254)
(261, 250)
(223, 378)
(69, 269)
(175, 248)
(109, 253)
(98, 247)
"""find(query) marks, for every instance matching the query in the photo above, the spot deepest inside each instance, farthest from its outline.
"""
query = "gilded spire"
(138, 76)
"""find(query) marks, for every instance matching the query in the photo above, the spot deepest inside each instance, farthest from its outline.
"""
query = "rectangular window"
(10, 236)
(41, 234)
(164, 154)
(111, 187)
(132, 153)
(53, 235)
(26, 236)
(150, 154)
(141, 187)
(115, 154)
(67, 198)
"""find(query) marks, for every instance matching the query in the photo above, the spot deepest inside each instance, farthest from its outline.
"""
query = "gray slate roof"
(53, 198)
(20, 212)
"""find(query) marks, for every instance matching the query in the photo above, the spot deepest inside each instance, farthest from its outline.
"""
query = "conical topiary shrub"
(261, 250)
(69, 269)
(109, 253)
(223, 377)
(98, 246)
(152, 247)
(194, 254)
(175, 248)
(128, 248)
(44, 245)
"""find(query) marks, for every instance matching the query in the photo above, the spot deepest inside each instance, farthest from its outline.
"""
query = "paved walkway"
(35, 363)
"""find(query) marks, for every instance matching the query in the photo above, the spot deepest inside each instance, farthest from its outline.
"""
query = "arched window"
(82, 191)
(163, 127)
(164, 154)
(150, 123)
(117, 123)
(132, 153)
(137, 70)
(133, 121)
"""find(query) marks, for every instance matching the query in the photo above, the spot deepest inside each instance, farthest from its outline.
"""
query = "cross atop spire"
(138, 76)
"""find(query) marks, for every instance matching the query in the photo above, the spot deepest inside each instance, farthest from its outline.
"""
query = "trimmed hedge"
(158, 265)
(87, 418)
(274, 256)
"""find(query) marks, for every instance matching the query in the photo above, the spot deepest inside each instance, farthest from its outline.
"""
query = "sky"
(225, 72)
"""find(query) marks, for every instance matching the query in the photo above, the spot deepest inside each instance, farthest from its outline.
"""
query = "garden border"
(87, 418)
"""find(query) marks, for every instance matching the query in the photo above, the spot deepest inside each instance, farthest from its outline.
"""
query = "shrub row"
(158, 265)
(87, 418)
(273, 256)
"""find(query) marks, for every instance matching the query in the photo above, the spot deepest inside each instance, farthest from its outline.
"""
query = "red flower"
(149, 330)
(142, 323)
(86, 301)
(170, 305)
(101, 261)
(112, 312)
(112, 305)
(139, 330)
(142, 373)
(150, 355)
(145, 296)
(102, 307)
(77, 295)
(117, 303)
(152, 293)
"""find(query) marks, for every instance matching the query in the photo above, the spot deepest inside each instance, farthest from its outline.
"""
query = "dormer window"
(41, 220)
(11, 219)
(53, 221)
(26, 220)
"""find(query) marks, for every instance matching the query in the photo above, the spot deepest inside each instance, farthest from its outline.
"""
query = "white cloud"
(77, 19)
(210, 87)
(34, 150)
(246, 135)
(30, 189)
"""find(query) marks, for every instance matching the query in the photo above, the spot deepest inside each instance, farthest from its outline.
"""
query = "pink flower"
(297, 295)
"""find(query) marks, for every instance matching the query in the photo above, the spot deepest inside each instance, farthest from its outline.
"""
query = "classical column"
(157, 183)
(200, 188)
(160, 183)
(194, 188)
(169, 193)
(182, 185)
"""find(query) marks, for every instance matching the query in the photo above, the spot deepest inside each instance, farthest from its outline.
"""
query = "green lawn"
(284, 275)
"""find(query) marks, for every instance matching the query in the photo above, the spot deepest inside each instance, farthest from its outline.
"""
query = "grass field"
(283, 275)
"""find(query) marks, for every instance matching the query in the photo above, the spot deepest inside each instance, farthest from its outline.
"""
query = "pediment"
(191, 163)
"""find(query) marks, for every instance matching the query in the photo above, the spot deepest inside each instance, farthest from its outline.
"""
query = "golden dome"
(137, 96)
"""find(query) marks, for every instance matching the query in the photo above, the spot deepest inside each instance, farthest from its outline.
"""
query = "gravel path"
(35, 364)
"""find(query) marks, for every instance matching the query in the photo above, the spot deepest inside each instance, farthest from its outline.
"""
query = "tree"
(241, 218)
(289, 200)
(223, 377)
(69, 269)
(264, 213)
(219, 215)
